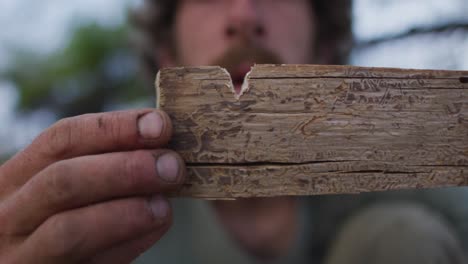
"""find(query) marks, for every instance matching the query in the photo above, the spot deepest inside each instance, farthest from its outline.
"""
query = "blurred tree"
(94, 72)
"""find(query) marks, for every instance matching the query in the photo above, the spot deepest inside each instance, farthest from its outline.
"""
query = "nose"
(244, 21)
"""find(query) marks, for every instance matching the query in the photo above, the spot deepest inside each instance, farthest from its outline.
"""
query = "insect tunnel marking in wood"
(317, 129)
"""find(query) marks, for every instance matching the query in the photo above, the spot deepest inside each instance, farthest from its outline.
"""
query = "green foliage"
(95, 70)
(4, 158)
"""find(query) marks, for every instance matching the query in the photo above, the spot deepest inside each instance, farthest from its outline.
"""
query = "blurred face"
(235, 34)
(238, 33)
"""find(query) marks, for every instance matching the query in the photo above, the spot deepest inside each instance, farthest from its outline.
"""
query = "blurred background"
(63, 58)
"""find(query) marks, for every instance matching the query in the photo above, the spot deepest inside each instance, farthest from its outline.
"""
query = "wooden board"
(310, 129)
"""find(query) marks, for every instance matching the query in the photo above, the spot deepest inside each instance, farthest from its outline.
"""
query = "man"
(90, 188)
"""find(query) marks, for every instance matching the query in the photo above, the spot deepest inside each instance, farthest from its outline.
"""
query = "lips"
(238, 75)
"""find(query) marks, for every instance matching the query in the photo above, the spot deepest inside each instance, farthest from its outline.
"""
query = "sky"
(379, 18)
(376, 18)
(44, 26)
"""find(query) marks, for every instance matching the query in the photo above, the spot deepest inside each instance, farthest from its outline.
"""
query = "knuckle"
(63, 236)
(59, 138)
(109, 124)
(60, 188)
(10, 229)
(137, 172)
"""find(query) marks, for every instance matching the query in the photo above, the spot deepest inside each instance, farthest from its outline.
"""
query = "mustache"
(233, 57)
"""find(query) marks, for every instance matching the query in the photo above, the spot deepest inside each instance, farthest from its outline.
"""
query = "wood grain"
(310, 129)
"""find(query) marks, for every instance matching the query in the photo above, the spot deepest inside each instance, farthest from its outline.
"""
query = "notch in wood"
(310, 129)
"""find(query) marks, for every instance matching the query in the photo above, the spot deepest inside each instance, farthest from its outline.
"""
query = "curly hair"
(155, 20)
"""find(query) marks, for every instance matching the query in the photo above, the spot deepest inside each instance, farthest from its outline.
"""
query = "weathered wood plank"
(309, 129)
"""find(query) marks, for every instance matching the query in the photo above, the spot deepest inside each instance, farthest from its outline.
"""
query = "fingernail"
(167, 167)
(150, 125)
(159, 207)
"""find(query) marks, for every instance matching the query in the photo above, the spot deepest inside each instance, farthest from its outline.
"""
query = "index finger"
(85, 135)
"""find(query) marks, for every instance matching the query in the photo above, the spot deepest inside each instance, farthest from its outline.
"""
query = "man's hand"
(88, 189)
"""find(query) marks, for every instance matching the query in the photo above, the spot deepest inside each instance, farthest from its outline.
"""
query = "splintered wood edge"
(237, 96)
(158, 89)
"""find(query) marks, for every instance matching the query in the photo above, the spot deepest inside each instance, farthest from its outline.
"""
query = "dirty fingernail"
(167, 167)
(150, 125)
(159, 207)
